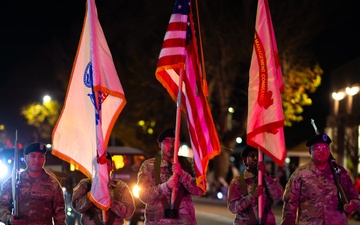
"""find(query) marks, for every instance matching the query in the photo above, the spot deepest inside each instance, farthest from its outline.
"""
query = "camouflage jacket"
(239, 203)
(310, 197)
(41, 200)
(152, 194)
(121, 207)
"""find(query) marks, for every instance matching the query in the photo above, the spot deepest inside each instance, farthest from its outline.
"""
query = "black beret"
(319, 138)
(246, 151)
(170, 132)
(35, 147)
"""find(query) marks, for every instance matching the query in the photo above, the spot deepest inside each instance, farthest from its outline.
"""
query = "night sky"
(39, 41)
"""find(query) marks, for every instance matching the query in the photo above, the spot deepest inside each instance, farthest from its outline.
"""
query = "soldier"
(41, 199)
(122, 205)
(311, 195)
(157, 177)
(243, 192)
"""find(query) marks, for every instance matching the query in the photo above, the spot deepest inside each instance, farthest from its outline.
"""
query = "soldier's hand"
(176, 169)
(259, 190)
(350, 207)
(261, 167)
(14, 221)
(172, 181)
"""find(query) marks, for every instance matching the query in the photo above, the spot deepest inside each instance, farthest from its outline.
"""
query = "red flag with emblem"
(265, 113)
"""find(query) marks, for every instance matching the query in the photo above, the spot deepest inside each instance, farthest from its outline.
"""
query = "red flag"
(94, 100)
(265, 114)
(179, 51)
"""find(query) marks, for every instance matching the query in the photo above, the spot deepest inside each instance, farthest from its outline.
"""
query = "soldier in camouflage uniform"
(243, 192)
(41, 199)
(157, 177)
(311, 195)
(122, 205)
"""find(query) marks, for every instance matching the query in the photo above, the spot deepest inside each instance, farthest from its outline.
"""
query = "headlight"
(136, 191)
(69, 211)
(220, 195)
(4, 170)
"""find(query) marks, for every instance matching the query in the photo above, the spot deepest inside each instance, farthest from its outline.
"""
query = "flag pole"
(260, 181)
(203, 78)
(177, 130)
(100, 143)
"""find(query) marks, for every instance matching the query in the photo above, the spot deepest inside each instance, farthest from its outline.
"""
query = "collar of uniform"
(164, 163)
(27, 175)
(314, 168)
(248, 174)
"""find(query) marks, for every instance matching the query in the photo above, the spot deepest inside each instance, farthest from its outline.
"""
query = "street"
(215, 212)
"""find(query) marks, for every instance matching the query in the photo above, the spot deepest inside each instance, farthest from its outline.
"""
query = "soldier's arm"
(5, 202)
(80, 201)
(189, 183)
(274, 187)
(236, 200)
(124, 207)
(59, 205)
(291, 199)
(350, 191)
(151, 192)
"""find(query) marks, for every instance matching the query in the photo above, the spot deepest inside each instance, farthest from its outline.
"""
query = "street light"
(345, 125)
(46, 99)
(231, 111)
(337, 96)
(351, 91)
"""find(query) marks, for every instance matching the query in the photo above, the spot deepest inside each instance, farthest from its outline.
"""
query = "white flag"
(93, 102)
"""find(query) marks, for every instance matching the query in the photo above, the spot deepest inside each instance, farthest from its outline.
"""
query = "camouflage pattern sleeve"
(5, 201)
(189, 183)
(291, 199)
(80, 201)
(349, 188)
(274, 188)
(59, 203)
(151, 193)
(125, 206)
(236, 201)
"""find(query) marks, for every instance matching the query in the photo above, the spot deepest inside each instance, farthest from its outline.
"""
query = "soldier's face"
(109, 165)
(35, 161)
(252, 160)
(320, 153)
(167, 148)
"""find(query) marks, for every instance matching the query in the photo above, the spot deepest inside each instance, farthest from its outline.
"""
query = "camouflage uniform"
(240, 205)
(311, 197)
(152, 194)
(120, 209)
(41, 200)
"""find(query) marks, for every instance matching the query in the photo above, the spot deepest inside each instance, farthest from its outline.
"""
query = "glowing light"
(338, 95)
(118, 161)
(352, 90)
(46, 99)
(185, 151)
(239, 140)
(220, 195)
(4, 170)
(136, 190)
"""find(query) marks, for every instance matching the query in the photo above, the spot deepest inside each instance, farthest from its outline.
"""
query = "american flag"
(180, 52)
